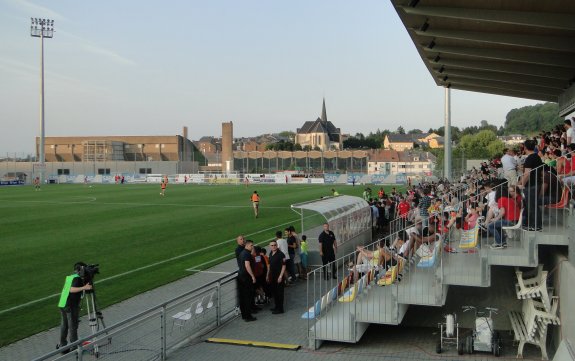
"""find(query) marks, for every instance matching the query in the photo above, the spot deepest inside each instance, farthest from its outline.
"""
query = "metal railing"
(152, 334)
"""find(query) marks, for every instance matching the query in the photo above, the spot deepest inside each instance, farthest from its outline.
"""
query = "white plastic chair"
(184, 316)
(510, 230)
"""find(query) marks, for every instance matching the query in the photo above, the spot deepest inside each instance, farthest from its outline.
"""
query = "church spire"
(323, 113)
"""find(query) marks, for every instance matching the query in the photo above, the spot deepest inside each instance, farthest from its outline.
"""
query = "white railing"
(153, 333)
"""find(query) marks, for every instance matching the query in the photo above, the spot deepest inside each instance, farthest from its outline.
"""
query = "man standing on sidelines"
(240, 248)
(275, 276)
(327, 250)
(255, 198)
(246, 282)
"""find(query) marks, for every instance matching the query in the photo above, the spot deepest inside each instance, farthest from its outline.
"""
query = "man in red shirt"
(509, 209)
(403, 209)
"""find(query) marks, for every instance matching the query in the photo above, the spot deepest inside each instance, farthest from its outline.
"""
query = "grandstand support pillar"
(447, 135)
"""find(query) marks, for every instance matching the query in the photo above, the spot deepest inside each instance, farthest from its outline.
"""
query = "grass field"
(126, 229)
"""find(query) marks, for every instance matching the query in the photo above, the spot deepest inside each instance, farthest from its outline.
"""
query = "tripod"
(95, 317)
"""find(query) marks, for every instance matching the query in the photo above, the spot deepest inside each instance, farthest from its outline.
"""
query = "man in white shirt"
(568, 131)
(282, 243)
(509, 164)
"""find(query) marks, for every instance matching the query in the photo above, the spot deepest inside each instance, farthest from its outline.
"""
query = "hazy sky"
(150, 67)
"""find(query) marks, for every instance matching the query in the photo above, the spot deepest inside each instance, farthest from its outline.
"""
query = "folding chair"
(211, 301)
(313, 312)
(350, 294)
(469, 239)
(182, 317)
(389, 277)
(429, 261)
(509, 230)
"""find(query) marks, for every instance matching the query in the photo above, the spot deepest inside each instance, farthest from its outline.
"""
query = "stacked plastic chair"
(539, 310)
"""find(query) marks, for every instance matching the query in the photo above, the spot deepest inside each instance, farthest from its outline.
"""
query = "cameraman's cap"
(78, 266)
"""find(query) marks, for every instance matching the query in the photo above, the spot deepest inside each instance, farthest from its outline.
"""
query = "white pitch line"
(89, 200)
(151, 265)
(149, 204)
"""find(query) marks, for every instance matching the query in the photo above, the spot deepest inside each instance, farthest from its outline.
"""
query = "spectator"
(427, 236)
(275, 276)
(424, 204)
(568, 132)
(403, 209)
(328, 249)
(509, 204)
(367, 260)
(260, 271)
(531, 182)
(301, 272)
(292, 246)
(241, 244)
(303, 255)
(374, 214)
(472, 216)
(282, 244)
(509, 164)
(247, 281)
(552, 187)
(568, 176)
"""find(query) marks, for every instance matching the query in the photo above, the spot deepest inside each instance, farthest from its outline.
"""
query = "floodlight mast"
(42, 28)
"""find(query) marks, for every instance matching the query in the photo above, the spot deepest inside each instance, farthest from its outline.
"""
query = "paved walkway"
(410, 341)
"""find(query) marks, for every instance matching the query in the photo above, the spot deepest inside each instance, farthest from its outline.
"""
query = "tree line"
(473, 142)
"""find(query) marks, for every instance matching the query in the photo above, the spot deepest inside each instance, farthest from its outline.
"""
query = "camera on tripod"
(88, 272)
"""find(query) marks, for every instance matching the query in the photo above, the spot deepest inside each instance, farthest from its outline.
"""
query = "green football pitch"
(138, 237)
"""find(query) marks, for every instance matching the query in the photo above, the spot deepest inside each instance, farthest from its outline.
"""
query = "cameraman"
(69, 304)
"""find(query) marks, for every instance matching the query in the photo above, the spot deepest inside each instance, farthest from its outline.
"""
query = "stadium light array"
(42, 28)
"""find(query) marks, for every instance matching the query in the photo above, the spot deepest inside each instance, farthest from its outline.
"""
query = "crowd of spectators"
(506, 190)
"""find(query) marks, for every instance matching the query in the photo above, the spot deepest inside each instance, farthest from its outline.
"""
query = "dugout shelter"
(348, 217)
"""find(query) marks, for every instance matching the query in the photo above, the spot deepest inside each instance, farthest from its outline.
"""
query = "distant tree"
(495, 148)
(532, 119)
(297, 147)
(281, 145)
(484, 125)
(455, 132)
(306, 148)
(317, 148)
(353, 142)
(288, 134)
(415, 131)
(482, 145)
(360, 141)
(400, 130)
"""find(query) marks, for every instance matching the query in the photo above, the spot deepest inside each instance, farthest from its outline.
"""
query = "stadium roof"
(518, 48)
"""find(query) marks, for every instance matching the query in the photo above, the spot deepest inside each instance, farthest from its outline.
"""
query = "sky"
(149, 68)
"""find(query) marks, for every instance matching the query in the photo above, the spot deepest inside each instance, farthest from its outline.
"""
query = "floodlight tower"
(42, 28)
